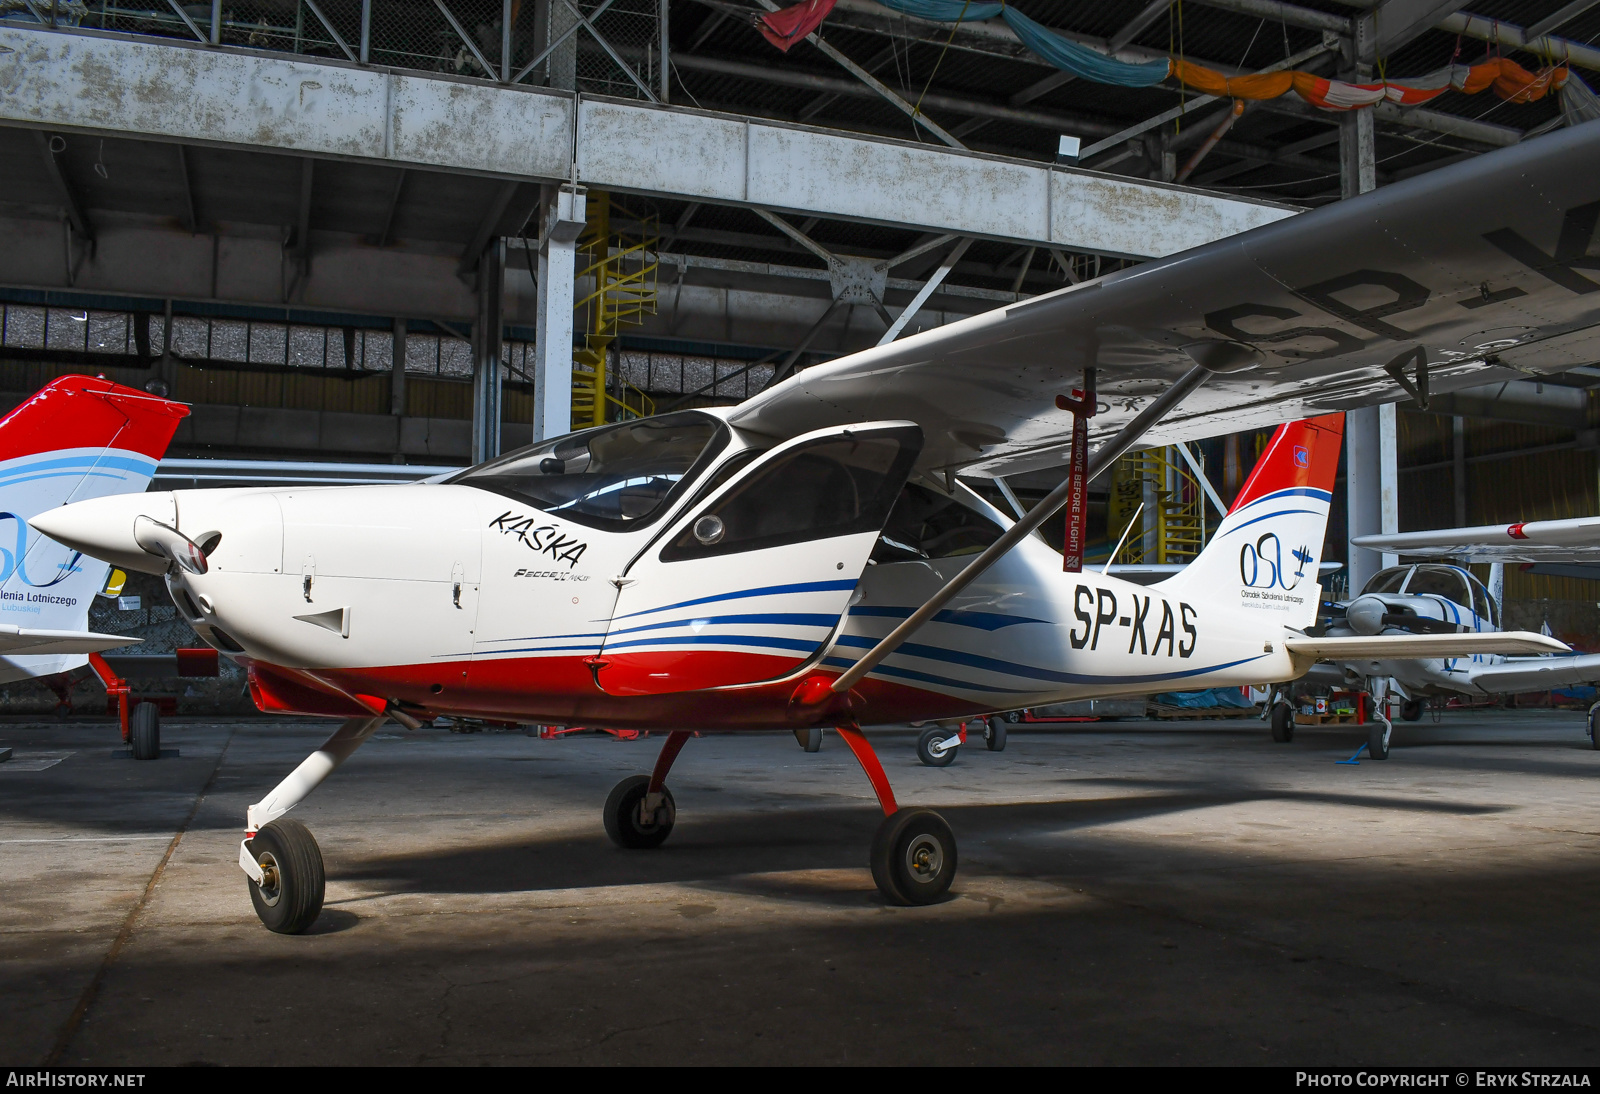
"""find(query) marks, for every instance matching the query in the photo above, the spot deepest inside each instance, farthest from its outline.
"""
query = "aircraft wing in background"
(1574, 540)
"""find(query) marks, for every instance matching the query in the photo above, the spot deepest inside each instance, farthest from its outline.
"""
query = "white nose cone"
(103, 528)
(1365, 615)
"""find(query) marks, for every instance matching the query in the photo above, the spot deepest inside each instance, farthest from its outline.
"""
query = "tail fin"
(1266, 552)
(78, 437)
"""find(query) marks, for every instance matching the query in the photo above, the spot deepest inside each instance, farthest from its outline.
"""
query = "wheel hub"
(271, 891)
(924, 859)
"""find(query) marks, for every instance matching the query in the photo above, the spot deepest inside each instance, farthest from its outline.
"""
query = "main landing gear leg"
(640, 812)
(914, 851)
(283, 861)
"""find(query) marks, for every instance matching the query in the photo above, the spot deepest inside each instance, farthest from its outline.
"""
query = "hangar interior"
(370, 241)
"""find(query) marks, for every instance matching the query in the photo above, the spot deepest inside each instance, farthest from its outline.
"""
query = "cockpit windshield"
(1387, 581)
(615, 477)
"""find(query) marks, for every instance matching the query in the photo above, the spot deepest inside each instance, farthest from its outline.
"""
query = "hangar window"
(927, 524)
(616, 477)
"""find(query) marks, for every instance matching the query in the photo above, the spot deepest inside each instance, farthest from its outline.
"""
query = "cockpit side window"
(927, 524)
(1387, 581)
(616, 477)
(1481, 602)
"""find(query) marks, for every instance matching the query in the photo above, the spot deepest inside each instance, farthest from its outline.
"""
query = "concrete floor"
(1128, 893)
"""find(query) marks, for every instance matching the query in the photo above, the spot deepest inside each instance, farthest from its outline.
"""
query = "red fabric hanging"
(784, 28)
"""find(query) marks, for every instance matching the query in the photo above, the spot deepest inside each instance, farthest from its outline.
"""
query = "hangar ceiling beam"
(1396, 22)
(914, 112)
(418, 121)
(1508, 34)
(65, 194)
(1559, 19)
(1135, 26)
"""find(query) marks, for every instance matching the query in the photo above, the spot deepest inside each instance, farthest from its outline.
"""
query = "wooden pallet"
(1329, 719)
(1195, 714)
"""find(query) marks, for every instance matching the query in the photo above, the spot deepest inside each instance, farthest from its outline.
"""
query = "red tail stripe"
(1300, 454)
(89, 412)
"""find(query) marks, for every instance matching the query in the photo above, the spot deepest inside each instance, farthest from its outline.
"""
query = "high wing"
(1388, 647)
(1469, 274)
(1536, 674)
(1574, 540)
(33, 640)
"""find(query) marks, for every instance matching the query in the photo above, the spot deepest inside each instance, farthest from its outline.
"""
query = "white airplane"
(1436, 597)
(805, 559)
(77, 438)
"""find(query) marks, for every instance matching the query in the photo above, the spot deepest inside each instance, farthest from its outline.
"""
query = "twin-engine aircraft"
(811, 557)
(1440, 598)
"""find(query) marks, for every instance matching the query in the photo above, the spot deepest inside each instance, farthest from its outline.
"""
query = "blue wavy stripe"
(768, 590)
(776, 619)
(924, 677)
(1291, 492)
(66, 475)
(1010, 668)
(983, 621)
(720, 640)
(1272, 516)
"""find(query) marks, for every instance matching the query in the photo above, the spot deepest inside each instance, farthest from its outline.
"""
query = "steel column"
(487, 334)
(1363, 502)
(562, 221)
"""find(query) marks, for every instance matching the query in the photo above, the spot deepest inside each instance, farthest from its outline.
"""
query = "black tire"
(928, 754)
(1377, 741)
(1283, 723)
(1594, 729)
(913, 857)
(144, 731)
(290, 899)
(622, 815)
(1411, 710)
(994, 734)
(810, 739)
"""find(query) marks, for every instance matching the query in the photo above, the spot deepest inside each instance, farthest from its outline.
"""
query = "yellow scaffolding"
(1172, 526)
(620, 271)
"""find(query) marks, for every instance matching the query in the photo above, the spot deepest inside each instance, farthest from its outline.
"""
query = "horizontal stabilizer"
(1537, 674)
(32, 640)
(1389, 647)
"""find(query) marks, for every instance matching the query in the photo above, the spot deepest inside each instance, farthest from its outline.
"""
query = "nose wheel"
(913, 857)
(633, 820)
(288, 897)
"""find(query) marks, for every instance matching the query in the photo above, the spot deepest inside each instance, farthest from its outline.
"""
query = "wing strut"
(1103, 458)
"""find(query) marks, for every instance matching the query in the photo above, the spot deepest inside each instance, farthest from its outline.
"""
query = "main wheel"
(1283, 723)
(1594, 729)
(810, 738)
(930, 749)
(1378, 741)
(289, 898)
(913, 857)
(1411, 710)
(994, 734)
(144, 731)
(625, 825)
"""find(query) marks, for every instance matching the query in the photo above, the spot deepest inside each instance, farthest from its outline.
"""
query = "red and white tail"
(1265, 554)
(77, 438)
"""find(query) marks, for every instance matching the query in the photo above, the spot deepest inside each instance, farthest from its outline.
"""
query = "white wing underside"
(23, 640)
(1319, 307)
(1551, 541)
(1537, 674)
(1386, 647)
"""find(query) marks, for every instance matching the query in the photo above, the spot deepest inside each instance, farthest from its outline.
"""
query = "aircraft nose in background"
(1365, 615)
(103, 528)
